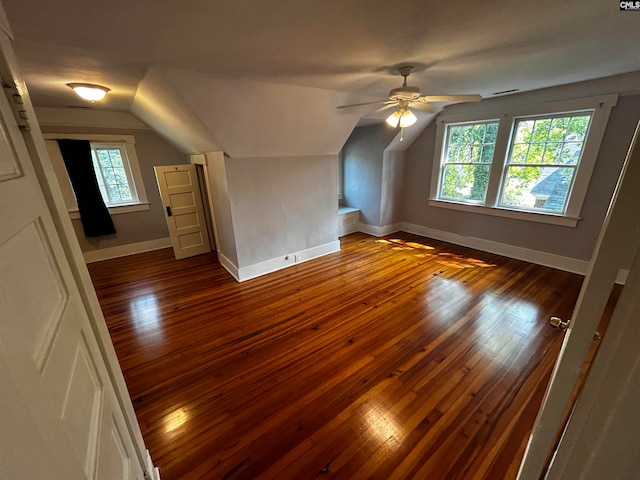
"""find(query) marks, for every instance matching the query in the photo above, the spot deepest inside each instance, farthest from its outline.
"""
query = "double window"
(530, 163)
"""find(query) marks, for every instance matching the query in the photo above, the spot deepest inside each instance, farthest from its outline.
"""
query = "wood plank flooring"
(396, 358)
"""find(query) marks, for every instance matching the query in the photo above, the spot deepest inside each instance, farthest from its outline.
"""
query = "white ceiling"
(221, 55)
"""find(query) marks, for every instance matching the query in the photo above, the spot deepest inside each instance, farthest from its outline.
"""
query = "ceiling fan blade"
(424, 107)
(365, 103)
(388, 105)
(450, 98)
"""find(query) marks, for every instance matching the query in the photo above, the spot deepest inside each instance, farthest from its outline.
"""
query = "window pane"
(578, 127)
(119, 175)
(125, 193)
(114, 193)
(471, 143)
(533, 187)
(465, 182)
(116, 159)
(550, 141)
(523, 131)
(103, 157)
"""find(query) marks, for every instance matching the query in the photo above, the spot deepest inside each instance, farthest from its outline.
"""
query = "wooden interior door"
(180, 192)
(620, 235)
(60, 417)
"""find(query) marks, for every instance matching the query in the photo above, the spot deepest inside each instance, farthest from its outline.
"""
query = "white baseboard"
(379, 231)
(124, 250)
(262, 268)
(567, 264)
(229, 266)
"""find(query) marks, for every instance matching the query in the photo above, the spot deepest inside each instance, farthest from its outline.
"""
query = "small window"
(117, 169)
(467, 161)
(113, 172)
(543, 159)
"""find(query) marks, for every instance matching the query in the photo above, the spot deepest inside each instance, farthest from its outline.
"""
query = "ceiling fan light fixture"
(394, 119)
(403, 117)
(88, 91)
(407, 118)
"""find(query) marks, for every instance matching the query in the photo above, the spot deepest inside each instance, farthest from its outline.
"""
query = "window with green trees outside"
(529, 162)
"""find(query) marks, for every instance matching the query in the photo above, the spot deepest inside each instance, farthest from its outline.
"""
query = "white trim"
(566, 264)
(92, 137)
(117, 210)
(150, 469)
(345, 210)
(379, 231)
(229, 266)
(539, 217)
(262, 268)
(108, 253)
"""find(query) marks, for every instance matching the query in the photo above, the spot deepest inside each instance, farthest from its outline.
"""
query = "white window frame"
(127, 142)
(599, 106)
(127, 171)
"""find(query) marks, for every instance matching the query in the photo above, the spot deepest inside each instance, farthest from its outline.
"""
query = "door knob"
(557, 322)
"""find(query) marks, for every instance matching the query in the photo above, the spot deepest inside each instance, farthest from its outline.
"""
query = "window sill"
(539, 217)
(135, 207)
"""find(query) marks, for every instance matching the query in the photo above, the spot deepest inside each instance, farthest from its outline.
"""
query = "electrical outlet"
(297, 257)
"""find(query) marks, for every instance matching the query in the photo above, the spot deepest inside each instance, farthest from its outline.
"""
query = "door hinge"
(17, 105)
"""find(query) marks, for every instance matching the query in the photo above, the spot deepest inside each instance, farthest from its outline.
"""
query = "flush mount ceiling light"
(89, 91)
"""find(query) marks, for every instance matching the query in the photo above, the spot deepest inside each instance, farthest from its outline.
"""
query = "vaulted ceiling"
(263, 77)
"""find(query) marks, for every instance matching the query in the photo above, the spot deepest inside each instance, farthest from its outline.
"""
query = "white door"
(620, 236)
(59, 414)
(180, 192)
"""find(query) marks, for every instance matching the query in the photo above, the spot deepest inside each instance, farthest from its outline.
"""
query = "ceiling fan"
(405, 96)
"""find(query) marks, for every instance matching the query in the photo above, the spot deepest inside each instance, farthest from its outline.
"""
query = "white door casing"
(180, 193)
(60, 415)
(620, 235)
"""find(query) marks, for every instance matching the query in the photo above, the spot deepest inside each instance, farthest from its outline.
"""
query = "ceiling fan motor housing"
(404, 93)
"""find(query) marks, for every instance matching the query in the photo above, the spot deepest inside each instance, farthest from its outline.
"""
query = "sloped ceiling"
(263, 77)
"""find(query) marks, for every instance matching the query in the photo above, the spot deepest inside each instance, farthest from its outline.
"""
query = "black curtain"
(94, 215)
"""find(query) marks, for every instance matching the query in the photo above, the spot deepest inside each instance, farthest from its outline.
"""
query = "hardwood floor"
(400, 357)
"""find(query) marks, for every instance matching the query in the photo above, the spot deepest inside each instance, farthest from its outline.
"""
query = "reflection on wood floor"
(400, 357)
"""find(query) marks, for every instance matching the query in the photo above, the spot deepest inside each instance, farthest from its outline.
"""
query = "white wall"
(282, 205)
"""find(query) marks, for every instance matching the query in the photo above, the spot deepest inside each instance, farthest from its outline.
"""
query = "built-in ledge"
(348, 220)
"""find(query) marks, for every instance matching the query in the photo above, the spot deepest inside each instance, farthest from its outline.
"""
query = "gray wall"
(219, 191)
(282, 205)
(578, 242)
(363, 171)
(392, 188)
(136, 226)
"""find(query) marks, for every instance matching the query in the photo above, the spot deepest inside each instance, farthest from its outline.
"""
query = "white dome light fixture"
(88, 91)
